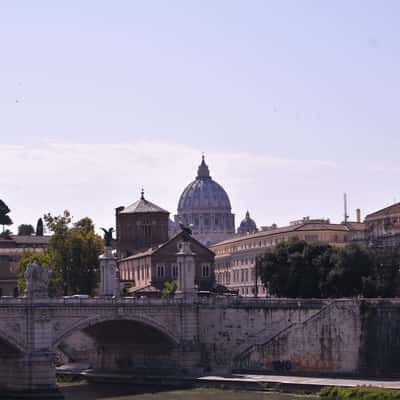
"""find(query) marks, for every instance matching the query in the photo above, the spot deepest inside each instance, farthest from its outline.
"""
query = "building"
(140, 226)
(235, 258)
(147, 271)
(205, 206)
(10, 252)
(383, 227)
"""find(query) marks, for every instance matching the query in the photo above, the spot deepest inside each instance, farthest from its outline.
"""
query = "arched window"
(205, 270)
(160, 270)
(174, 270)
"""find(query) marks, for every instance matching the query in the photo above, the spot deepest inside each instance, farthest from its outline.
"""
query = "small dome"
(248, 225)
(204, 194)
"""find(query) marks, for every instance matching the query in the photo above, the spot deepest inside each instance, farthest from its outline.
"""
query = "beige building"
(235, 258)
(10, 252)
(383, 227)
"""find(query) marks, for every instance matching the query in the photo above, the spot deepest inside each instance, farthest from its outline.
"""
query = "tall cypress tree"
(39, 227)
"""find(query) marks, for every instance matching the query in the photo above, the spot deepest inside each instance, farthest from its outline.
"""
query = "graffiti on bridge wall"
(281, 365)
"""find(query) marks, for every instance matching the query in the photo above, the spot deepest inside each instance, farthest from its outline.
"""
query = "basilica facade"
(204, 205)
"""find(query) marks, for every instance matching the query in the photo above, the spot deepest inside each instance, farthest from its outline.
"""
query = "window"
(205, 270)
(160, 270)
(174, 270)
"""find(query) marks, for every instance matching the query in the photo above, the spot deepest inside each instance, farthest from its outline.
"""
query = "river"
(86, 391)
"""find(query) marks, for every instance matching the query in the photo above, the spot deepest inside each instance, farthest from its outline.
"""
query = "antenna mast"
(346, 217)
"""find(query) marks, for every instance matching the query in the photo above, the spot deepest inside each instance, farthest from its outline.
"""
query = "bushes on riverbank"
(359, 393)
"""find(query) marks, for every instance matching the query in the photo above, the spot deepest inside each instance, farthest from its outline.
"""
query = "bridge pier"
(29, 376)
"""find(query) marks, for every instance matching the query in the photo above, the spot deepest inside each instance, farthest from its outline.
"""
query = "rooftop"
(307, 225)
(143, 206)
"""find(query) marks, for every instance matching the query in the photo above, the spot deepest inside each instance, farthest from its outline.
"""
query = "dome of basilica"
(204, 194)
(248, 225)
(205, 206)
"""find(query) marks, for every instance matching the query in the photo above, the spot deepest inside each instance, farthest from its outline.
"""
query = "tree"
(300, 269)
(5, 220)
(295, 268)
(25, 230)
(169, 288)
(39, 227)
(386, 273)
(353, 267)
(75, 253)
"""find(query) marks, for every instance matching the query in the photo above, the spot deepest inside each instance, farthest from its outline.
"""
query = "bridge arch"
(144, 320)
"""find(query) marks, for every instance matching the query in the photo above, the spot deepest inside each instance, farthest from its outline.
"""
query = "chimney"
(358, 215)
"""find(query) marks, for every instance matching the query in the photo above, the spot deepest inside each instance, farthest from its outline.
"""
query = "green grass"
(359, 393)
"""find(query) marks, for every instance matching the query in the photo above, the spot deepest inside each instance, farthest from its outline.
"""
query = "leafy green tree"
(386, 273)
(75, 253)
(353, 268)
(169, 288)
(25, 230)
(295, 268)
(300, 269)
(5, 219)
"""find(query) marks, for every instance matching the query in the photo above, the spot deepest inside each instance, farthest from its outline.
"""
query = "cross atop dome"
(203, 172)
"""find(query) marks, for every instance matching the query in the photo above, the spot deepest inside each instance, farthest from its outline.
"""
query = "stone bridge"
(198, 335)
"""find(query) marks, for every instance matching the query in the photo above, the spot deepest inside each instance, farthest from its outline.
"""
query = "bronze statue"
(187, 232)
(108, 236)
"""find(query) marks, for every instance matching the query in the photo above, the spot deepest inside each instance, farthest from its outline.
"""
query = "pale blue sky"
(288, 81)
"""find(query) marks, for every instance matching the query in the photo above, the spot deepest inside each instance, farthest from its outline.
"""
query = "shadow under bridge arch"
(9, 344)
(128, 343)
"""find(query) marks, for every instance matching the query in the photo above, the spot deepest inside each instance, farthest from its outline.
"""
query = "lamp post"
(256, 277)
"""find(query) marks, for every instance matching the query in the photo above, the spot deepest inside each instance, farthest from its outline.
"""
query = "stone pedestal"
(186, 271)
(109, 279)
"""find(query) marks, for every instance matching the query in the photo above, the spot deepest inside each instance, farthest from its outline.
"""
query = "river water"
(86, 391)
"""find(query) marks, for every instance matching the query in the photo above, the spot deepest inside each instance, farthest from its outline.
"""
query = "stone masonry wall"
(328, 342)
(228, 329)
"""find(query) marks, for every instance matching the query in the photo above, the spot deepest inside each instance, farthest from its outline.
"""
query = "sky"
(292, 102)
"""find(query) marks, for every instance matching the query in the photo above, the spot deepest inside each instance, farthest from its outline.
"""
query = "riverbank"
(249, 382)
(92, 391)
